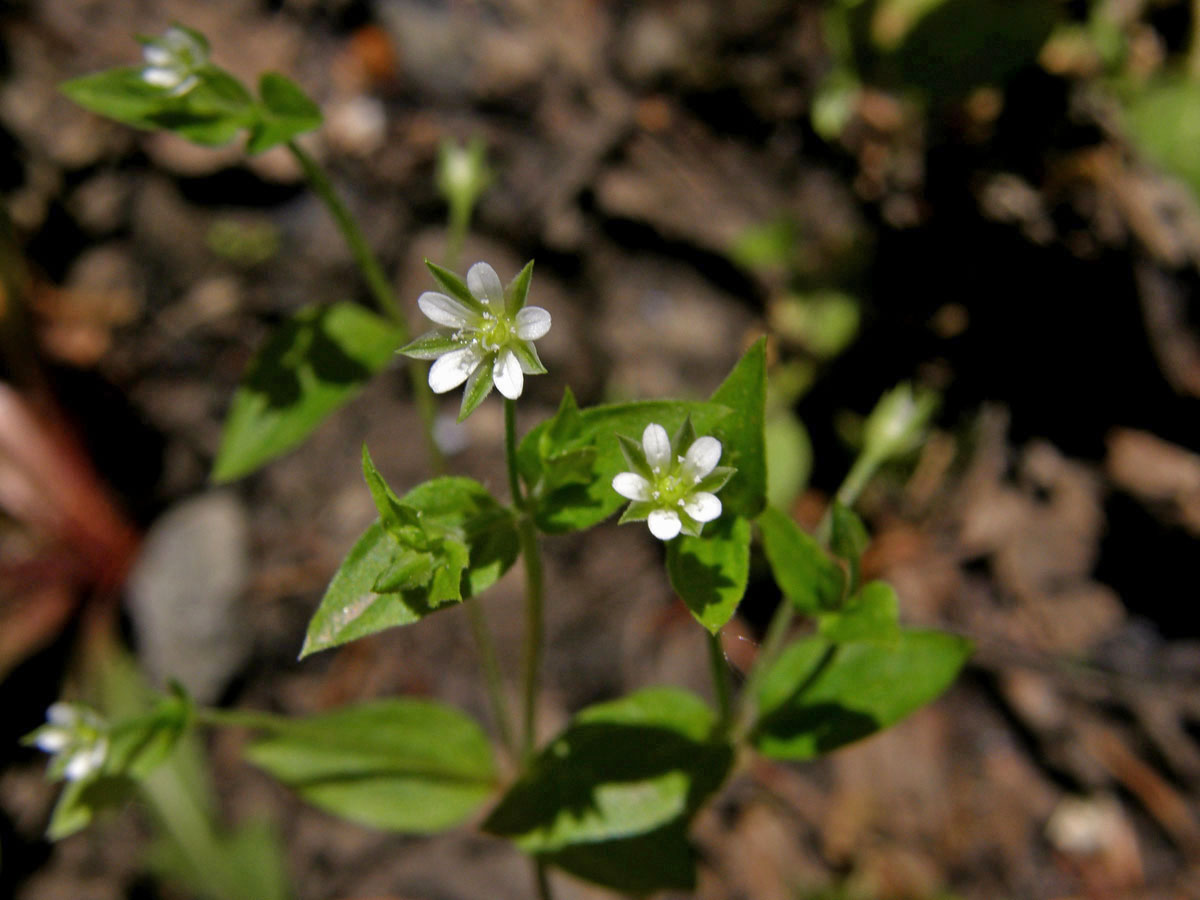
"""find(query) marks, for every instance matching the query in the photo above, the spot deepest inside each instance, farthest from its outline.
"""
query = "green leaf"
(741, 435)
(819, 696)
(848, 539)
(401, 765)
(466, 518)
(873, 614)
(579, 495)
(119, 94)
(626, 777)
(518, 290)
(285, 112)
(805, 574)
(394, 515)
(710, 572)
(318, 361)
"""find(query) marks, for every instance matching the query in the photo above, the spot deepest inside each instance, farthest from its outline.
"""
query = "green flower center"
(495, 332)
(669, 489)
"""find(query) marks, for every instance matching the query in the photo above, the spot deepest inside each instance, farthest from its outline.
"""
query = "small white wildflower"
(486, 337)
(173, 60)
(673, 493)
(76, 737)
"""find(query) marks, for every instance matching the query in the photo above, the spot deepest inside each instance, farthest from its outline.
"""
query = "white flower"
(173, 60)
(77, 739)
(486, 337)
(672, 493)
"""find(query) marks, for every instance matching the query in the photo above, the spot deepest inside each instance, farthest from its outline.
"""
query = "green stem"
(491, 674)
(534, 632)
(785, 614)
(534, 617)
(380, 287)
(720, 676)
(510, 453)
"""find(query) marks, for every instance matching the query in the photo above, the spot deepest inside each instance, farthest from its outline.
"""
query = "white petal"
(664, 524)
(484, 285)
(702, 457)
(160, 77)
(453, 369)
(532, 323)
(657, 446)
(702, 506)
(507, 375)
(631, 486)
(62, 714)
(53, 740)
(157, 55)
(446, 310)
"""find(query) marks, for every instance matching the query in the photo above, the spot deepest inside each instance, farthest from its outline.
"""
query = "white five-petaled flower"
(173, 60)
(673, 493)
(77, 739)
(486, 335)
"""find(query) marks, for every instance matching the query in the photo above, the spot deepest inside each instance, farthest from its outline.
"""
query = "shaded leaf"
(637, 767)
(710, 572)
(316, 362)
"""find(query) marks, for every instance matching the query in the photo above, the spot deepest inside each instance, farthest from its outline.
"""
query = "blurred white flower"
(173, 60)
(76, 737)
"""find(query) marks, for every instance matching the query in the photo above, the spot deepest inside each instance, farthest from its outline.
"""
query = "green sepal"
(635, 456)
(637, 511)
(526, 353)
(716, 479)
(479, 385)
(454, 286)
(517, 291)
(431, 345)
(683, 438)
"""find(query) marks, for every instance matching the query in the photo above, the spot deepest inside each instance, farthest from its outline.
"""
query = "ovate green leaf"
(710, 572)
(819, 695)
(475, 542)
(401, 765)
